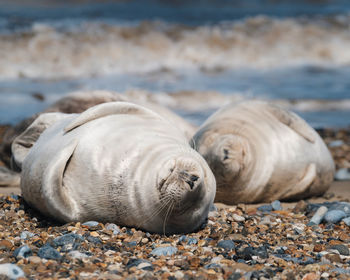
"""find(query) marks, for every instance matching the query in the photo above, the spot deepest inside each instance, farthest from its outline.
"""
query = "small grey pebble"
(192, 241)
(164, 251)
(47, 252)
(22, 252)
(67, 239)
(140, 263)
(344, 206)
(276, 205)
(90, 224)
(94, 240)
(341, 270)
(212, 266)
(342, 249)
(26, 235)
(77, 255)
(334, 216)
(114, 228)
(318, 216)
(226, 244)
(347, 221)
(265, 208)
(342, 174)
(12, 271)
(182, 238)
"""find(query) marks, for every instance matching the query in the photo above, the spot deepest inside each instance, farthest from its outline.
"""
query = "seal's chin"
(182, 187)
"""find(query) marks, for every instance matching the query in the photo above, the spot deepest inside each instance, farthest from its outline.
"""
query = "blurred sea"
(296, 53)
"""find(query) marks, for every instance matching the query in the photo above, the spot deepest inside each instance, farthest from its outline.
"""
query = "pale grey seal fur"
(77, 102)
(116, 162)
(260, 152)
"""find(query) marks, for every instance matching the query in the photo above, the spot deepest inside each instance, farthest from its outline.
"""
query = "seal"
(260, 152)
(117, 162)
(78, 102)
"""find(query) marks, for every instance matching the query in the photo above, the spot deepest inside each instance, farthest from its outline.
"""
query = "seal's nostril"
(225, 154)
(190, 183)
(194, 178)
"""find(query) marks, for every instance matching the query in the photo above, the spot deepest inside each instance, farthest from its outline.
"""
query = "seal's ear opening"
(24, 142)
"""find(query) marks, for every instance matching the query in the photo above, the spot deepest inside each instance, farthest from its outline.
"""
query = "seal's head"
(186, 188)
(228, 156)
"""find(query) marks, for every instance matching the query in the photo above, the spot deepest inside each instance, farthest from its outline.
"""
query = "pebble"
(67, 239)
(276, 245)
(265, 208)
(192, 241)
(22, 252)
(5, 245)
(334, 216)
(300, 207)
(341, 270)
(333, 258)
(91, 224)
(34, 259)
(97, 240)
(342, 249)
(26, 235)
(318, 216)
(347, 221)
(238, 218)
(140, 264)
(343, 206)
(164, 251)
(77, 255)
(228, 245)
(47, 252)
(276, 205)
(114, 228)
(342, 174)
(12, 271)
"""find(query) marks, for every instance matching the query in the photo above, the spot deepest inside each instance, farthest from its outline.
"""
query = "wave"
(95, 48)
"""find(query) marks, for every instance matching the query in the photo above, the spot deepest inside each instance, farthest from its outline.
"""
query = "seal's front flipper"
(23, 142)
(294, 122)
(8, 177)
(300, 189)
(53, 189)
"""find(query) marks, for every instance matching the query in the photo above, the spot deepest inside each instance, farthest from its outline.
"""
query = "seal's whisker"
(167, 215)
(156, 211)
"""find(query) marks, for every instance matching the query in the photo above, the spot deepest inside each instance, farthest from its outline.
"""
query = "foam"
(94, 48)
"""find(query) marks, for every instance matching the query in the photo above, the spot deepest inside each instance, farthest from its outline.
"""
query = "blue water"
(321, 71)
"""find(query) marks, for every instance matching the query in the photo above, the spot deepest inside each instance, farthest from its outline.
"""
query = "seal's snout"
(190, 179)
(228, 155)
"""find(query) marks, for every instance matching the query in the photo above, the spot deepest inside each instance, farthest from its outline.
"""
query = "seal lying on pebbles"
(78, 102)
(260, 152)
(116, 162)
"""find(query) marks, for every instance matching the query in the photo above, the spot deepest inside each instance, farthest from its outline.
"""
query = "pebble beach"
(191, 57)
(295, 240)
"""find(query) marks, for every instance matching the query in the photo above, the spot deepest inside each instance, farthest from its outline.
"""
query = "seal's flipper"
(8, 177)
(53, 188)
(23, 142)
(293, 121)
(106, 109)
(301, 187)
